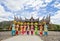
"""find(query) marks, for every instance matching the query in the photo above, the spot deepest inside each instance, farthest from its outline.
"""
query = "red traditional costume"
(32, 29)
(41, 30)
(17, 26)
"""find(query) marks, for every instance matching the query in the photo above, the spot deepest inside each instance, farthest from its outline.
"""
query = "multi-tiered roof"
(46, 19)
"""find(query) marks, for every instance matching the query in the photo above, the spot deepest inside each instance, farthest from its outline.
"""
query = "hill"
(5, 25)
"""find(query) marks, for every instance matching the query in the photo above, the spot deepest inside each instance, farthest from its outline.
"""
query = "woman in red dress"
(32, 29)
(17, 26)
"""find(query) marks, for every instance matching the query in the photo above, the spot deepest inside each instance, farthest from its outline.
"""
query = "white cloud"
(30, 2)
(48, 1)
(34, 14)
(15, 4)
(57, 5)
(37, 4)
(56, 19)
(4, 16)
(19, 4)
(29, 15)
(57, 15)
(2, 12)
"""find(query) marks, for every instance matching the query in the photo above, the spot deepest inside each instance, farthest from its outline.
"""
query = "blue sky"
(28, 8)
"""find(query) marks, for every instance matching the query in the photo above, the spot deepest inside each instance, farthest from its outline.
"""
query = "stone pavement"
(24, 38)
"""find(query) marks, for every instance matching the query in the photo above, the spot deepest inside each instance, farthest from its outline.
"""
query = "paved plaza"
(52, 36)
(24, 38)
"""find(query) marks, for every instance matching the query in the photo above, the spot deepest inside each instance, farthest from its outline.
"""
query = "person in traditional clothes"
(45, 29)
(32, 29)
(28, 29)
(25, 28)
(13, 29)
(22, 29)
(17, 27)
(36, 30)
(41, 30)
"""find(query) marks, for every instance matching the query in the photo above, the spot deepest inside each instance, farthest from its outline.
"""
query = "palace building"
(32, 21)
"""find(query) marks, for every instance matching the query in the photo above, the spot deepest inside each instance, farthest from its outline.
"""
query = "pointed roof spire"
(20, 18)
(43, 18)
(32, 16)
(25, 18)
(38, 18)
(32, 19)
(14, 17)
(49, 17)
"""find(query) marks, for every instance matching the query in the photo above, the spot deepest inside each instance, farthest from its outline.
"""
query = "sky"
(28, 8)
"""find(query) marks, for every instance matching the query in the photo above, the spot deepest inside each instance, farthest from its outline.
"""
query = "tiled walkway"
(24, 38)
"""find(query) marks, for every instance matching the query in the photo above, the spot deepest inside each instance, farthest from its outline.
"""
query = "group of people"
(26, 29)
